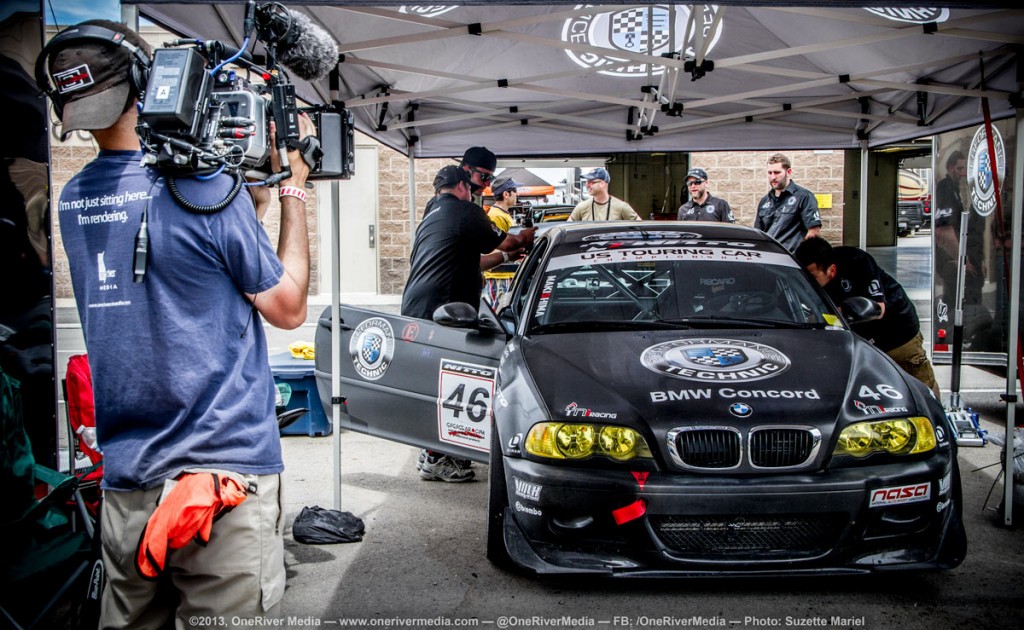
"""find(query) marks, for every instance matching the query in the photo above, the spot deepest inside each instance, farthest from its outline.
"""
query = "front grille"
(764, 536)
(714, 448)
(782, 447)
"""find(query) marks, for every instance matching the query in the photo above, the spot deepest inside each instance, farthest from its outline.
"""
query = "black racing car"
(666, 399)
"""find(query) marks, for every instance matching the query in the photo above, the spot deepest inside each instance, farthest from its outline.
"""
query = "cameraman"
(181, 378)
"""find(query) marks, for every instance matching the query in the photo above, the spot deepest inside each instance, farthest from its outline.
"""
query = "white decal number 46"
(888, 391)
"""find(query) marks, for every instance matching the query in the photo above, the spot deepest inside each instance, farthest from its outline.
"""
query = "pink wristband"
(292, 191)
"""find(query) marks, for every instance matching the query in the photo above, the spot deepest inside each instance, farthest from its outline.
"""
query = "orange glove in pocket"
(186, 513)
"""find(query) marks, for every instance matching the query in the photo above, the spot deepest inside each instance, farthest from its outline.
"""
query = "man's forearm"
(492, 260)
(293, 242)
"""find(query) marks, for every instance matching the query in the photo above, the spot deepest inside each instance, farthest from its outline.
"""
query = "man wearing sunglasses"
(703, 206)
(480, 163)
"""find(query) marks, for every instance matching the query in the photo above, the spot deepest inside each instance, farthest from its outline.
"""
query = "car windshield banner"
(648, 252)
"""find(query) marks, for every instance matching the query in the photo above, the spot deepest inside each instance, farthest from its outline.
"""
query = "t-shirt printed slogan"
(104, 209)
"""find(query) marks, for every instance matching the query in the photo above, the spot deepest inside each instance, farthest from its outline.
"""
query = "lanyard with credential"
(607, 213)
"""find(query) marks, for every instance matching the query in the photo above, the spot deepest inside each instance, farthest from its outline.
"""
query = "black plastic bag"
(320, 526)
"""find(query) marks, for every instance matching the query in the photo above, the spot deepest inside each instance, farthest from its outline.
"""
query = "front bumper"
(562, 520)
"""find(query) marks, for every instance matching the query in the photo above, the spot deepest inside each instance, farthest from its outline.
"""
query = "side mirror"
(456, 315)
(858, 310)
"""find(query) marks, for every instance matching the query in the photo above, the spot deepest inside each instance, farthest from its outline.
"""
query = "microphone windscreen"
(314, 54)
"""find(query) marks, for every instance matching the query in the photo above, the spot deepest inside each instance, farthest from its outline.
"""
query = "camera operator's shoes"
(438, 467)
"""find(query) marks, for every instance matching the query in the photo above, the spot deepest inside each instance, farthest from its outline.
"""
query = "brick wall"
(740, 178)
(394, 236)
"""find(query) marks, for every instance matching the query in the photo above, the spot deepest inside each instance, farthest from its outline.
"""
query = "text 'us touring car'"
(665, 399)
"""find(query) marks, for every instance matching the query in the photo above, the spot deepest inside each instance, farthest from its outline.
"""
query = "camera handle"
(285, 110)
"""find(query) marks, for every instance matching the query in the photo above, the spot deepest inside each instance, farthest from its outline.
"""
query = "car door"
(413, 380)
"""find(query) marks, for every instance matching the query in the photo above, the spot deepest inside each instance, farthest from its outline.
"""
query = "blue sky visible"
(64, 12)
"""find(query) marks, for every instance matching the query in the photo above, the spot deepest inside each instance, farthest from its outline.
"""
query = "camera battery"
(176, 91)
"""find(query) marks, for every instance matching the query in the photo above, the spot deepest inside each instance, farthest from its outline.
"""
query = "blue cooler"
(298, 374)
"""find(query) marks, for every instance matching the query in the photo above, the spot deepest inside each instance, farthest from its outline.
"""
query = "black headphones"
(138, 75)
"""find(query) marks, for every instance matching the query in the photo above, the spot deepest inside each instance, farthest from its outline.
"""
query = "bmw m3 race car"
(666, 399)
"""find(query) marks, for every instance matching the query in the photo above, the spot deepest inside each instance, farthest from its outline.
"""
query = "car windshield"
(615, 286)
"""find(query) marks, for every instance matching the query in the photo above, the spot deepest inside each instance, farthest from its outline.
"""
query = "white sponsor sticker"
(465, 395)
(527, 490)
(901, 494)
(526, 509)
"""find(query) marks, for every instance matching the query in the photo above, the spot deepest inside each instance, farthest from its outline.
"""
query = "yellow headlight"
(578, 441)
(575, 441)
(900, 436)
(541, 440)
(855, 440)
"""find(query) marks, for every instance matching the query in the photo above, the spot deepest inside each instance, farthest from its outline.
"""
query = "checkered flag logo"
(716, 357)
(371, 348)
(629, 29)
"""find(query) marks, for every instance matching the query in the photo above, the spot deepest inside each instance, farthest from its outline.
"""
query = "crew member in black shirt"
(480, 163)
(702, 205)
(788, 213)
(453, 244)
(850, 272)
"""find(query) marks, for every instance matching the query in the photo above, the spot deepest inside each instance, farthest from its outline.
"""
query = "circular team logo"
(980, 167)
(715, 360)
(372, 347)
(645, 30)
(426, 10)
(914, 15)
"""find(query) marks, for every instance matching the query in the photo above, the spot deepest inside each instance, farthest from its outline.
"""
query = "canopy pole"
(862, 231)
(336, 335)
(130, 16)
(1013, 340)
(412, 196)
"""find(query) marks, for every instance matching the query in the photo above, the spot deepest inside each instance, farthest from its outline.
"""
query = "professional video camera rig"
(199, 116)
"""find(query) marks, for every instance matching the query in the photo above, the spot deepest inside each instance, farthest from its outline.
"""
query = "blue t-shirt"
(179, 362)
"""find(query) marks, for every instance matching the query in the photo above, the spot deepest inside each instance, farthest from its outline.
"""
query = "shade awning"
(558, 78)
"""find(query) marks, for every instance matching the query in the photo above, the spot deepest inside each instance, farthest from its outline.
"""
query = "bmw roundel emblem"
(740, 409)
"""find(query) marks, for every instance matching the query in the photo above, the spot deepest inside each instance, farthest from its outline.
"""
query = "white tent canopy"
(540, 78)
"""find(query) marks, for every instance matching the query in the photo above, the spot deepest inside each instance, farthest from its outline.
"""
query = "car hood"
(660, 380)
